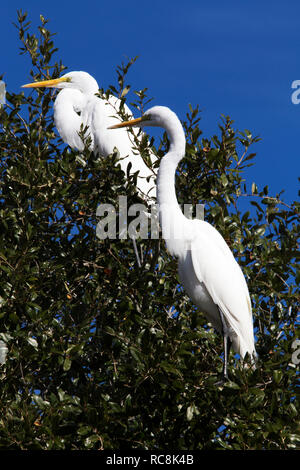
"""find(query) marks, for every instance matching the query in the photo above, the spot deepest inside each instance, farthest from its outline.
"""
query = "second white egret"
(207, 268)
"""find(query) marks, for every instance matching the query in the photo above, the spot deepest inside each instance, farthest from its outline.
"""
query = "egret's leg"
(136, 253)
(227, 345)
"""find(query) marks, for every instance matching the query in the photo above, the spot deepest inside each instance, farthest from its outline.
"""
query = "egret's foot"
(222, 381)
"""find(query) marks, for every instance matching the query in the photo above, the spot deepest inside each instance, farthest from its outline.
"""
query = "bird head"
(81, 81)
(158, 116)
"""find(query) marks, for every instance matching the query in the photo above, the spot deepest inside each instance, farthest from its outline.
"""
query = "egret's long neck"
(171, 216)
(67, 104)
(166, 174)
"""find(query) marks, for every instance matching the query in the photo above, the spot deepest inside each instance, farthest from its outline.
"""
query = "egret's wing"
(102, 115)
(116, 105)
(215, 266)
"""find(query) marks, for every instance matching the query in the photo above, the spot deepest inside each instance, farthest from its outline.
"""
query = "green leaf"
(33, 342)
(67, 364)
(101, 353)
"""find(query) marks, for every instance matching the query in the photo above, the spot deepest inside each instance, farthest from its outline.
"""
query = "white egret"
(207, 268)
(76, 105)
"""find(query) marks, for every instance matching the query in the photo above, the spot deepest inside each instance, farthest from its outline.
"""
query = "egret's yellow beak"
(130, 123)
(47, 83)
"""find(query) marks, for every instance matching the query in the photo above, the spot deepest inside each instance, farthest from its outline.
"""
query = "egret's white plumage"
(77, 104)
(207, 268)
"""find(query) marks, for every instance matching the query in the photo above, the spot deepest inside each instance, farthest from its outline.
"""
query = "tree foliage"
(103, 354)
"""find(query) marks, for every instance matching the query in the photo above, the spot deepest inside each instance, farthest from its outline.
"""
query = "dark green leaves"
(102, 354)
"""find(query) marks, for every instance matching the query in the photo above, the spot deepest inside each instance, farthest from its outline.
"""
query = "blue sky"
(235, 58)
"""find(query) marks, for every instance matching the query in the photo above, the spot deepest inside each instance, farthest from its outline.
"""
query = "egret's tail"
(242, 348)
